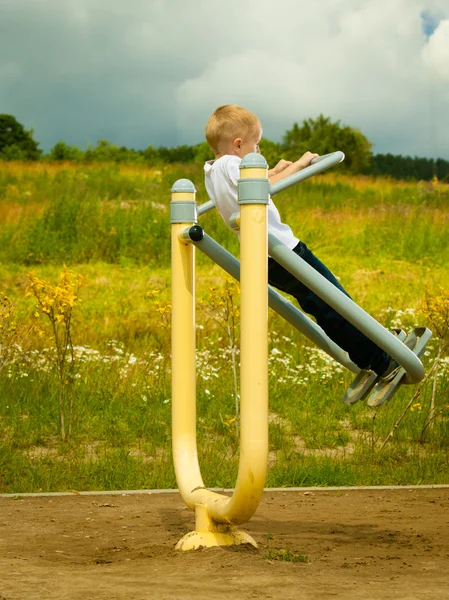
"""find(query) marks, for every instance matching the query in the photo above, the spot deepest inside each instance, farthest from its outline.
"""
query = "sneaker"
(391, 371)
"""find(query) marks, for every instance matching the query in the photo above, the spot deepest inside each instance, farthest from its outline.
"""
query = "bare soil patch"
(360, 544)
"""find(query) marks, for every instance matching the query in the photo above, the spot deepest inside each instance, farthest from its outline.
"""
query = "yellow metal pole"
(216, 515)
(185, 457)
(253, 339)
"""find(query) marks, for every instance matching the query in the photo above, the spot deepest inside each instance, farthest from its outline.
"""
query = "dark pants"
(362, 351)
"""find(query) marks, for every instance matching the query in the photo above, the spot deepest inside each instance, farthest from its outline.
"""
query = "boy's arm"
(282, 164)
(285, 168)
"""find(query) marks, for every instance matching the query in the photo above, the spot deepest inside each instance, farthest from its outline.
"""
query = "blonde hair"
(227, 123)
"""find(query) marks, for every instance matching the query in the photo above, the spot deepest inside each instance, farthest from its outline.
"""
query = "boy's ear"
(237, 144)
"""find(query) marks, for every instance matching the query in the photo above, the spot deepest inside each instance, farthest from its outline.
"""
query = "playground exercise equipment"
(216, 515)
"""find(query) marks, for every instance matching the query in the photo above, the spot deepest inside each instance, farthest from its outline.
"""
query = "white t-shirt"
(221, 178)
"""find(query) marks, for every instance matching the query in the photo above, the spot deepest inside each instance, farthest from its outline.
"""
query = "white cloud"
(360, 63)
(151, 72)
(436, 52)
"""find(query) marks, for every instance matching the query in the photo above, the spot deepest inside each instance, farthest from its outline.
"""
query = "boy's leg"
(362, 351)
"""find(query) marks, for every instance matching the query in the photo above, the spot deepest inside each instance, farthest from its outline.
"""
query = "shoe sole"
(366, 380)
(385, 390)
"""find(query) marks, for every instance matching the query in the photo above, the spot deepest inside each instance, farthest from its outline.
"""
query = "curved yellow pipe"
(211, 507)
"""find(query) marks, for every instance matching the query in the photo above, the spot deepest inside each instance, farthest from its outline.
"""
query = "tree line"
(319, 135)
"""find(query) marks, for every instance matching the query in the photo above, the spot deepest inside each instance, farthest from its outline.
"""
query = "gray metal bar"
(278, 303)
(347, 308)
(318, 165)
(326, 156)
(206, 207)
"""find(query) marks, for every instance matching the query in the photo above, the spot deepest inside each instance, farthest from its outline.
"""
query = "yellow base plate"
(197, 539)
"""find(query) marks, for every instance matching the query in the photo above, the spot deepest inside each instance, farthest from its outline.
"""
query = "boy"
(232, 132)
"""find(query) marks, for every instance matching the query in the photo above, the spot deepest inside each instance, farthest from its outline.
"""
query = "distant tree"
(179, 154)
(62, 151)
(16, 143)
(202, 153)
(149, 154)
(104, 151)
(271, 151)
(442, 169)
(406, 167)
(322, 136)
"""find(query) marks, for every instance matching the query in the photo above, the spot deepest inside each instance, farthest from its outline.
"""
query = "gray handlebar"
(318, 165)
(206, 207)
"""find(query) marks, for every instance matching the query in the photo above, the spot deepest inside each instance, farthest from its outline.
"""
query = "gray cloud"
(151, 71)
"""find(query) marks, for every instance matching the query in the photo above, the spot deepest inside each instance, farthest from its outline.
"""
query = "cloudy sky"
(140, 72)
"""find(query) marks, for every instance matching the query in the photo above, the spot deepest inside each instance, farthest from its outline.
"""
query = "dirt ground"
(362, 544)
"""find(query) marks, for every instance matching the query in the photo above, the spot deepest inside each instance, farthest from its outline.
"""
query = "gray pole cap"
(183, 185)
(253, 161)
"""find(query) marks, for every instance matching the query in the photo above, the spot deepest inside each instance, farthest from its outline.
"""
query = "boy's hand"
(282, 164)
(305, 160)
(285, 168)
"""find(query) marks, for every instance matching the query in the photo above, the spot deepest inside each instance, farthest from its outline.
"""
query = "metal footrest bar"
(360, 387)
(366, 380)
(385, 390)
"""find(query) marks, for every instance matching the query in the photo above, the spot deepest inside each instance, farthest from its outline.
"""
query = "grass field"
(387, 241)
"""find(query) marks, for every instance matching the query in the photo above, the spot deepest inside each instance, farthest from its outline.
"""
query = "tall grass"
(388, 241)
(115, 214)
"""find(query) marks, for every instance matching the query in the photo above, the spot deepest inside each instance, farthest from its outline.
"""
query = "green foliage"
(16, 143)
(97, 213)
(385, 240)
(322, 136)
(179, 154)
(92, 215)
(202, 153)
(317, 135)
(271, 151)
(104, 151)
(56, 302)
(285, 555)
(406, 167)
(62, 152)
(150, 154)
